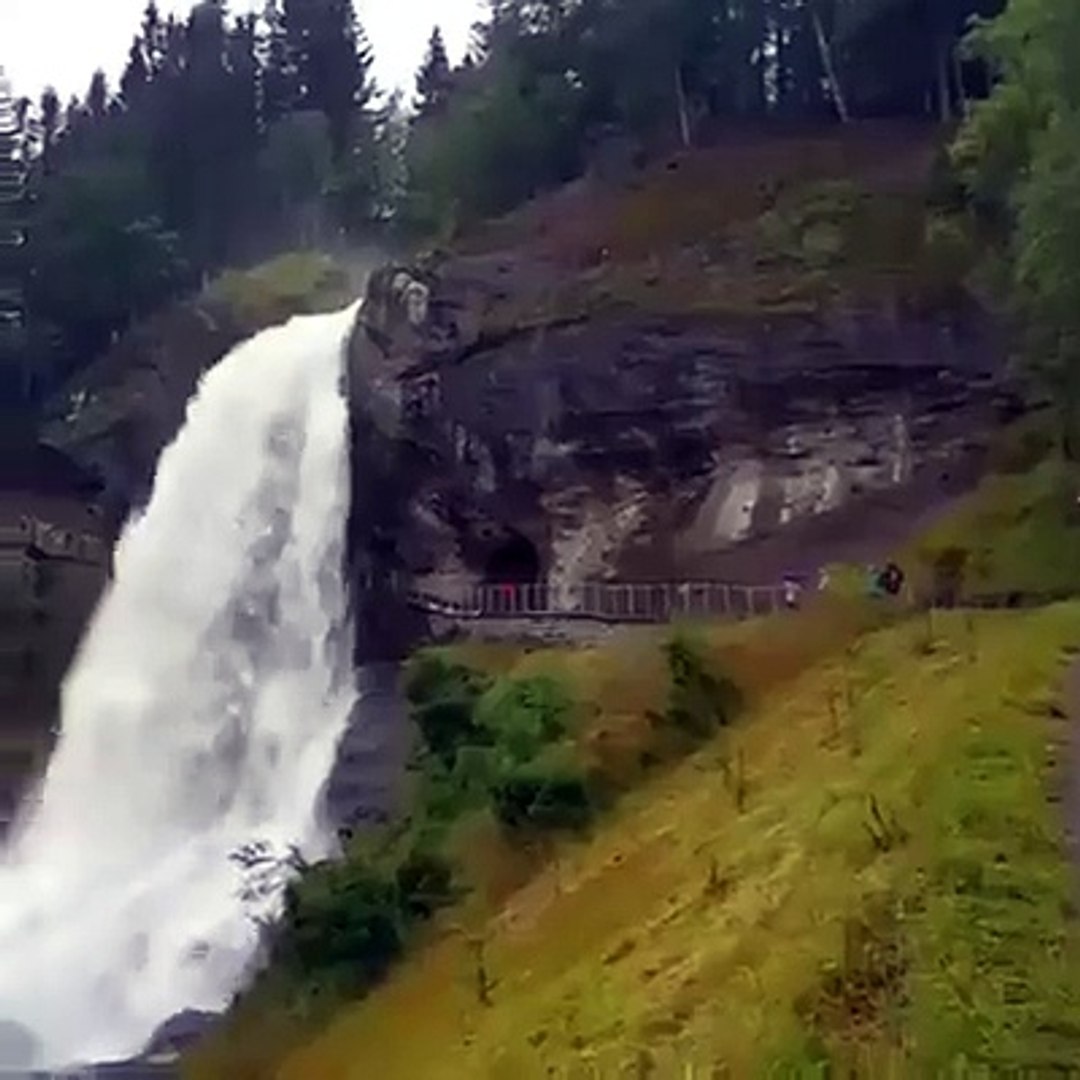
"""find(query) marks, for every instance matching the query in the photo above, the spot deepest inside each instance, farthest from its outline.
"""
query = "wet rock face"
(180, 1033)
(642, 444)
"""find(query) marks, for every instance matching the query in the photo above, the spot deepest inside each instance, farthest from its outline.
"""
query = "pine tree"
(50, 125)
(433, 81)
(97, 97)
(333, 60)
(280, 90)
(136, 76)
(14, 369)
(154, 38)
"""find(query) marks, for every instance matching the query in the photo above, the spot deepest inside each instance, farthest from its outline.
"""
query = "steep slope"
(890, 897)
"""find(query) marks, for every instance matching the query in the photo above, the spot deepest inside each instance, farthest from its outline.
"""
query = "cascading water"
(203, 713)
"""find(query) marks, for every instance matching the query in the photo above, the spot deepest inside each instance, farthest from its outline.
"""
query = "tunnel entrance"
(514, 562)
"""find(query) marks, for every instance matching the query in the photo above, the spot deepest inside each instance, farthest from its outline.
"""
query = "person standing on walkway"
(792, 590)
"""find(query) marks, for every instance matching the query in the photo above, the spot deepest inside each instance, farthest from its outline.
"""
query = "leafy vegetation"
(552, 84)
(226, 141)
(699, 702)
(542, 794)
(444, 695)
(1021, 157)
(512, 751)
(1017, 533)
(271, 292)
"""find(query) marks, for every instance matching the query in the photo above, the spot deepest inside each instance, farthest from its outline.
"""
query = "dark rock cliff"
(653, 445)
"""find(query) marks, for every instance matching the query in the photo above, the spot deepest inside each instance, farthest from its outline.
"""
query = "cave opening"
(514, 562)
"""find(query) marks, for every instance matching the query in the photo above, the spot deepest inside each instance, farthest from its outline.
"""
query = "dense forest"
(229, 139)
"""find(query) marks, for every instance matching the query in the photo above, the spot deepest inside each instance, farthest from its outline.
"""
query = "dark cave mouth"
(515, 561)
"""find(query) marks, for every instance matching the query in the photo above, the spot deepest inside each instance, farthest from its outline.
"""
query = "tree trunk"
(824, 48)
(961, 91)
(681, 106)
(944, 97)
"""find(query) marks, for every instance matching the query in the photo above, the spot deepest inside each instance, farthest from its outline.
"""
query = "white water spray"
(202, 713)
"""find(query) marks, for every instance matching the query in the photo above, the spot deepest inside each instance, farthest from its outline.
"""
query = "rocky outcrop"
(658, 445)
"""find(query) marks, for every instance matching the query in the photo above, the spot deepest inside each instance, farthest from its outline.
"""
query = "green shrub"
(948, 568)
(343, 923)
(292, 284)
(444, 695)
(1020, 531)
(700, 701)
(522, 716)
(1023, 445)
(425, 883)
(541, 795)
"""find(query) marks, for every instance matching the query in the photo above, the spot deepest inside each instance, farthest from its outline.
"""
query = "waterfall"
(202, 713)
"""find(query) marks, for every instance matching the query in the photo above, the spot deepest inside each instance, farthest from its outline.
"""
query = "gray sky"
(63, 41)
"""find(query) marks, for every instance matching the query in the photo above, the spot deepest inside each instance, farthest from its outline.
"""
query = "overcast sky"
(62, 42)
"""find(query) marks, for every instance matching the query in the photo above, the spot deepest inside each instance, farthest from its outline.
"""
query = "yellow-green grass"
(926, 937)
(297, 283)
(1020, 532)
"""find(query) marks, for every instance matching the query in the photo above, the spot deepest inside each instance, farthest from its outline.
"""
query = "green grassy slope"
(892, 897)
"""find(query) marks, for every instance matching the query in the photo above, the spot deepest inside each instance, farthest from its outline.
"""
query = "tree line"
(225, 141)
(228, 139)
(548, 79)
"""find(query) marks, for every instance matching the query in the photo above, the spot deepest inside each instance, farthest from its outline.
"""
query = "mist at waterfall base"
(202, 713)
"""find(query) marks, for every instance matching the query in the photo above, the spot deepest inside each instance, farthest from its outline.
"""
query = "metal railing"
(624, 602)
(53, 541)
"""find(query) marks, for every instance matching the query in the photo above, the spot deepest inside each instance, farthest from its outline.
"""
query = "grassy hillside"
(1018, 532)
(865, 870)
(770, 225)
(295, 284)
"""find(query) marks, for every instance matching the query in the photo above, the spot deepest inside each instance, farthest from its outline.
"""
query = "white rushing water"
(202, 713)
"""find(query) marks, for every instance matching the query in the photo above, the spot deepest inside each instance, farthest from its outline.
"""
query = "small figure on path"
(792, 589)
(892, 579)
(874, 581)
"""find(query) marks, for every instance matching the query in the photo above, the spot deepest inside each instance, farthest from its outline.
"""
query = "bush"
(522, 716)
(444, 696)
(700, 701)
(1022, 445)
(544, 796)
(425, 883)
(948, 568)
(343, 921)
(274, 291)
